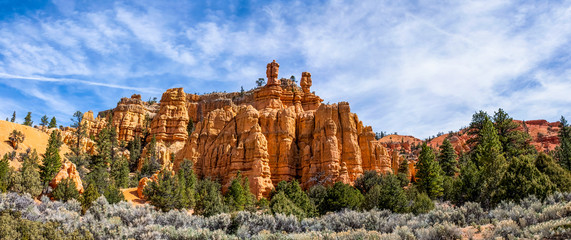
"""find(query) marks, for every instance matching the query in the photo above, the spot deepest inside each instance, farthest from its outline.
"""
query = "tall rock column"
(170, 123)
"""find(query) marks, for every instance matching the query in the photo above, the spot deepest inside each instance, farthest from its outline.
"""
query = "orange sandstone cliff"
(280, 131)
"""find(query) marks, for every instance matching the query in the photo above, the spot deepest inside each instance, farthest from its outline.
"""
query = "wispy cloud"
(412, 67)
(152, 90)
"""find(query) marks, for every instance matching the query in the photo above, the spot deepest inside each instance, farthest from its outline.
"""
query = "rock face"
(170, 123)
(68, 170)
(129, 117)
(281, 133)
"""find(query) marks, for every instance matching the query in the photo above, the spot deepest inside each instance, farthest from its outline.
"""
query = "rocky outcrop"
(68, 170)
(280, 131)
(283, 133)
(169, 125)
(130, 117)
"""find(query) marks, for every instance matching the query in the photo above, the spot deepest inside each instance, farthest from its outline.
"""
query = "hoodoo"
(280, 131)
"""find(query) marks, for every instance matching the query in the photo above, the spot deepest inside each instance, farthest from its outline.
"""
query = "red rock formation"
(170, 123)
(68, 170)
(129, 117)
(277, 132)
(283, 133)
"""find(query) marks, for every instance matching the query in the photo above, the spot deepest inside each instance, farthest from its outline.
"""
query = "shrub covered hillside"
(22, 218)
(502, 187)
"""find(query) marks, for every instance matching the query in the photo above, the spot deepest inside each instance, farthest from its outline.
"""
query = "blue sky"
(414, 67)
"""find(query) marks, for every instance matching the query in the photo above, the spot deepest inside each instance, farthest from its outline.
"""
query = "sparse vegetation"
(16, 137)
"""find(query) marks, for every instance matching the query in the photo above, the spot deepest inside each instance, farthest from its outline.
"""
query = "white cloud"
(416, 68)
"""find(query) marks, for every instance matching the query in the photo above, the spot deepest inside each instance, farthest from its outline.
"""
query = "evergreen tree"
(389, 194)
(476, 126)
(514, 142)
(5, 172)
(44, 121)
(88, 197)
(186, 185)
(113, 194)
(522, 179)
(16, 137)
(447, 159)
(28, 120)
(556, 174)
(238, 196)
(161, 193)
(564, 150)
(99, 176)
(468, 187)
(134, 152)
(78, 134)
(422, 204)
(403, 173)
(13, 119)
(151, 163)
(341, 196)
(489, 159)
(280, 203)
(367, 181)
(65, 190)
(28, 179)
(318, 194)
(293, 192)
(209, 200)
(106, 145)
(51, 162)
(53, 123)
(429, 173)
(120, 172)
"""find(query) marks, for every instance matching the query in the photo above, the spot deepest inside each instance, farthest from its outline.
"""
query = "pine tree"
(280, 203)
(28, 179)
(564, 150)
(522, 179)
(16, 137)
(447, 159)
(88, 197)
(429, 178)
(186, 185)
(341, 196)
(557, 175)
(5, 172)
(237, 196)
(367, 181)
(51, 162)
(13, 117)
(134, 152)
(209, 200)
(476, 126)
(151, 163)
(78, 134)
(28, 120)
(514, 142)
(403, 173)
(44, 121)
(120, 172)
(293, 192)
(161, 193)
(389, 194)
(53, 123)
(491, 163)
(65, 190)
(113, 194)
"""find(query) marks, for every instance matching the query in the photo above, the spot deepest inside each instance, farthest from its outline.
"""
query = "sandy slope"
(34, 139)
(130, 195)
